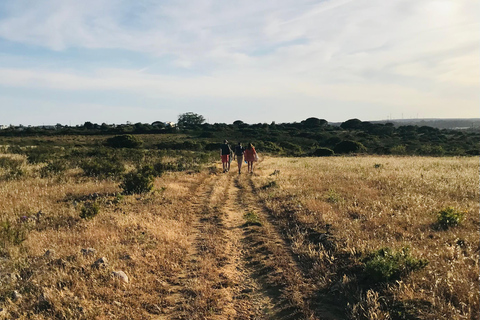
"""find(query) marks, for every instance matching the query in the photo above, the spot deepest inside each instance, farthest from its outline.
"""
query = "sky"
(113, 61)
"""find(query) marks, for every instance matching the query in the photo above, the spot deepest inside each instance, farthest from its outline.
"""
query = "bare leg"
(239, 161)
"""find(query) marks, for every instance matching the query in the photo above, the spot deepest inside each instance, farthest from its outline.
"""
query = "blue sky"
(65, 61)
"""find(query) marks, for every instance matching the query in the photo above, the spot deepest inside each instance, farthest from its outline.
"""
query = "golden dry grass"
(376, 202)
(144, 236)
(370, 203)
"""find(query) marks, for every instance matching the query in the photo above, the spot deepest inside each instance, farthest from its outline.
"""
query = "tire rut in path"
(270, 261)
(178, 289)
(237, 270)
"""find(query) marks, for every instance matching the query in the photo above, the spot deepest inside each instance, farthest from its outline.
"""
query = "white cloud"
(421, 54)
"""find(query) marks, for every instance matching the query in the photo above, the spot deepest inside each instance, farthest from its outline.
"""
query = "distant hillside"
(458, 124)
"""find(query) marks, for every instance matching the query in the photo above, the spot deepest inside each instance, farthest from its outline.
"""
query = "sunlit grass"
(146, 236)
(377, 202)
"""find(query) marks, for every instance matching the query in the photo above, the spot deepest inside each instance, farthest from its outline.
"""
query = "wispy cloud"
(399, 54)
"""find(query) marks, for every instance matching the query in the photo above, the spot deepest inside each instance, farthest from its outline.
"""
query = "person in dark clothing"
(225, 152)
(238, 154)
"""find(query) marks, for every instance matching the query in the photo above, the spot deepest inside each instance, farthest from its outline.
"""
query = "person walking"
(225, 152)
(238, 154)
(250, 157)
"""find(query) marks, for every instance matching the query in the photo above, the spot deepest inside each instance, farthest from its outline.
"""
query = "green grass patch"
(334, 197)
(89, 210)
(449, 217)
(252, 219)
(386, 265)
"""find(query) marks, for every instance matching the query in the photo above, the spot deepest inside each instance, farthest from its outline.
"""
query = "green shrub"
(473, 152)
(323, 152)
(449, 217)
(252, 219)
(54, 167)
(430, 150)
(192, 145)
(89, 210)
(398, 150)
(212, 146)
(124, 141)
(348, 146)
(12, 233)
(15, 173)
(269, 146)
(140, 181)
(102, 168)
(291, 148)
(15, 149)
(385, 265)
(40, 154)
(11, 163)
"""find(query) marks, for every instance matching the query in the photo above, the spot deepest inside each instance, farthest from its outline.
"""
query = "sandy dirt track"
(240, 267)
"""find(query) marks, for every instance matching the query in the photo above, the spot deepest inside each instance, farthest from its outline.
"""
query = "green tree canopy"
(351, 124)
(314, 123)
(190, 119)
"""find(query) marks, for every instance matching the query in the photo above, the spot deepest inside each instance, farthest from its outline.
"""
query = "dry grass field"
(299, 239)
(377, 202)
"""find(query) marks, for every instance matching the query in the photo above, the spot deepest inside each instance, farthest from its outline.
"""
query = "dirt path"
(240, 266)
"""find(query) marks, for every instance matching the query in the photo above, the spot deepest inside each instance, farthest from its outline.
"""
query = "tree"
(314, 123)
(190, 119)
(351, 124)
(88, 125)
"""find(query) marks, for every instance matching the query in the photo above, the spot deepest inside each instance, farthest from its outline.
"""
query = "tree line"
(310, 137)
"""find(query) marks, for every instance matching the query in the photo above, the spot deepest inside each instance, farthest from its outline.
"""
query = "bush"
(212, 146)
(140, 181)
(349, 146)
(398, 150)
(192, 145)
(473, 152)
(14, 174)
(12, 234)
(12, 163)
(124, 141)
(102, 167)
(430, 150)
(89, 210)
(449, 217)
(269, 146)
(54, 167)
(291, 148)
(39, 154)
(323, 152)
(385, 265)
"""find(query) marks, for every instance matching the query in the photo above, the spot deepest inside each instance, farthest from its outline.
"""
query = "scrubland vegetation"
(91, 228)
(310, 137)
